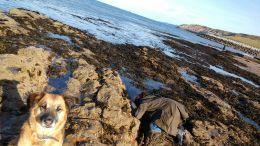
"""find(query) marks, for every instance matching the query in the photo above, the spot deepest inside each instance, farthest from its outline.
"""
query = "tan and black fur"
(46, 123)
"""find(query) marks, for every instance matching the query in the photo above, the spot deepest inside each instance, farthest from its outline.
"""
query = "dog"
(47, 118)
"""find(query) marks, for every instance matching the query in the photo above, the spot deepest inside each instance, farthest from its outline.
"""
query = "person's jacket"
(172, 112)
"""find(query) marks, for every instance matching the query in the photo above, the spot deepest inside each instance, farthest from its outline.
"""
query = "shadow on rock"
(13, 111)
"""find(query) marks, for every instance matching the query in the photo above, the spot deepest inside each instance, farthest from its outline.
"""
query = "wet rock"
(102, 94)
(58, 67)
(188, 139)
(255, 104)
(215, 133)
(113, 79)
(90, 88)
(9, 25)
(213, 84)
(213, 98)
(159, 139)
(74, 88)
(86, 52)
(85, 72)
(224, 107)
(240, 86)
(207, 132)
(26, 14)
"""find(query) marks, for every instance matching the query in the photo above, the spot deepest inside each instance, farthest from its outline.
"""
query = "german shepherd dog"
(46, 123)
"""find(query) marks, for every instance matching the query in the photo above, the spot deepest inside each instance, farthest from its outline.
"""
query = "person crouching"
(168, 114)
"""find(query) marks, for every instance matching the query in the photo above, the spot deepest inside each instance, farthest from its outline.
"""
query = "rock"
(108, 96)
(10, 25)
(255, 104)
(105, 116)
(58, 67)
(25, 13)
(241, 86)
(10, 125)
(210, 134)
(23, 73)
(144, 52)
(88, 53)
(88, 110)
(20, 75)
(213, 98)
(117, 118)
(159, 139)
(213, 84)
(188, 139)
(73, 88)
(216, 133)
(90, 88)
(113, 79)
(85, 73)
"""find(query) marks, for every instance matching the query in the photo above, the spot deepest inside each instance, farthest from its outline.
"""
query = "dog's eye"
(58, 108)
(44, 107)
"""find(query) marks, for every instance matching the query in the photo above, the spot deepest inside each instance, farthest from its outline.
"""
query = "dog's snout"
(48, 120)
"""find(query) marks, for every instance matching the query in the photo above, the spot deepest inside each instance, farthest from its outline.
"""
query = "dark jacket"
(172, 112)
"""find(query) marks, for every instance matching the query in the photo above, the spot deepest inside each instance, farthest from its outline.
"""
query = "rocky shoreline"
(252, 51)
(38, 53)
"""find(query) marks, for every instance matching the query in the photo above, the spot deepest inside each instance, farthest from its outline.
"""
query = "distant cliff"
(250, 40)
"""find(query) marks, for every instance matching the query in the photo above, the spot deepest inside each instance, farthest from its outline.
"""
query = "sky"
(241, 16)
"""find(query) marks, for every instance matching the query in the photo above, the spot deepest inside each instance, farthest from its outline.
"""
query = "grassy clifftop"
(250, 40)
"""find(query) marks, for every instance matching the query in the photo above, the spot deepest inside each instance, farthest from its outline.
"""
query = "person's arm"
(141, 110)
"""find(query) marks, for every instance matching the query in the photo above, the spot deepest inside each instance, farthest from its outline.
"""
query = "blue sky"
(241, 16)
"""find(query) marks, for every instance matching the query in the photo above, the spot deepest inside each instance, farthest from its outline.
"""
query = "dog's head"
(49, 112)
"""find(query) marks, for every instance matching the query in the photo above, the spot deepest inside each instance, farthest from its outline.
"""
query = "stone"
(212, 83)
(24, 73)
(85, 73)
(25, 13)
(210, 134)
(90, 88)
(73, 88)
(10, 25)
(105, 116)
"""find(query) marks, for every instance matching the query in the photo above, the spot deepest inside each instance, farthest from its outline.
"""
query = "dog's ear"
(71, 101)
(33, 98)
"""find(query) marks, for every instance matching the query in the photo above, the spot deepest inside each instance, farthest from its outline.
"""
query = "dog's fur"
(46, 122)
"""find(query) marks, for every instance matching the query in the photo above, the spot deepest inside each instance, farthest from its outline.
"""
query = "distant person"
(167, 114)
(224, 48)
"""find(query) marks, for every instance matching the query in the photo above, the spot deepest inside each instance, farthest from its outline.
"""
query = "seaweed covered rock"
(9, 25)
(76, 68)
(216, 133)
(213, 84)
(104, 116)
